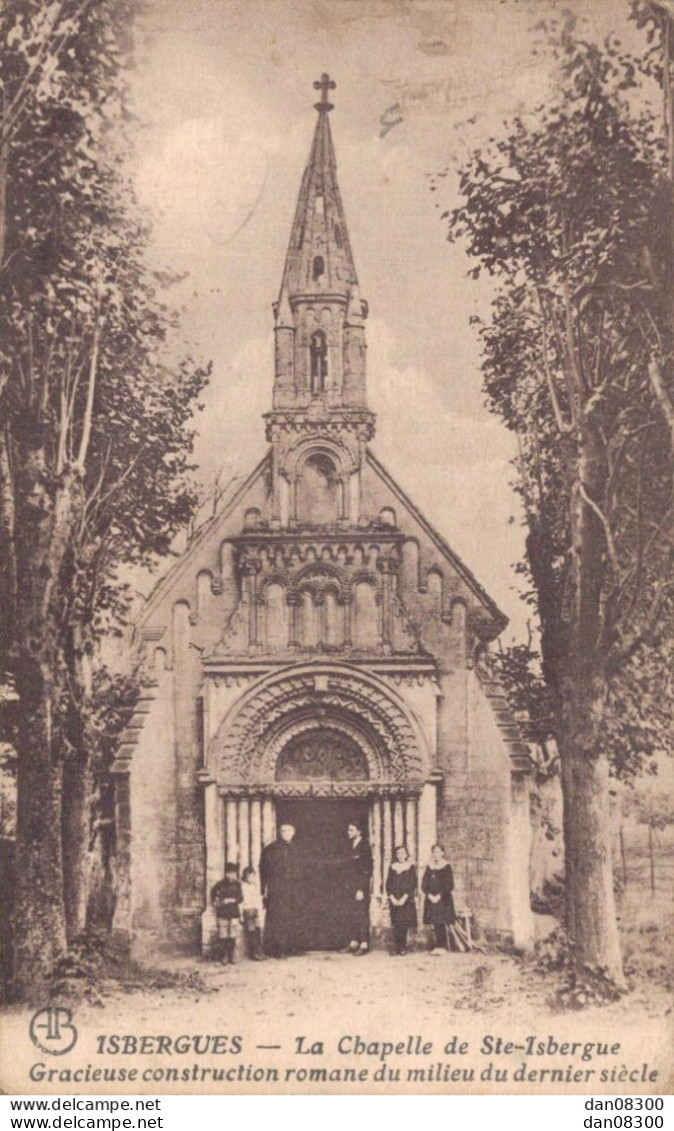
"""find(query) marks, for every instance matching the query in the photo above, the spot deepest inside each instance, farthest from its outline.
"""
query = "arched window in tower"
(318, 350)
(338, 235)
(318, 268)
(319, 493)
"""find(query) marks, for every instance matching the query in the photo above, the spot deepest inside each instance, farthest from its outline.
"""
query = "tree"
(94, 445)
(561, 213)
(657, 18)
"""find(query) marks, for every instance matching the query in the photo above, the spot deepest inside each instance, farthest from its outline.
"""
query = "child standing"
(252, 913)
(226, 896)
(401, 888)
(438, 885)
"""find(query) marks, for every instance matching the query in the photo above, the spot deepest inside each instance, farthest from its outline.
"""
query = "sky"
(224, 92)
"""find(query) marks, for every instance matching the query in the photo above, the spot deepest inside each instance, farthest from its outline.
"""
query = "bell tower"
(319, 423)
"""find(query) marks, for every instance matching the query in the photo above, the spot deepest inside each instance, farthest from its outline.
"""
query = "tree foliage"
(95, 439)
(566, 213)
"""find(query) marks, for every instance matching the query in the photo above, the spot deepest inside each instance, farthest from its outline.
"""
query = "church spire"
(319, 259)
(320, 331)
(320, 424)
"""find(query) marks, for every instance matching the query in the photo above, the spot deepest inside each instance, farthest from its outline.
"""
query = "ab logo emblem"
(51, 1030)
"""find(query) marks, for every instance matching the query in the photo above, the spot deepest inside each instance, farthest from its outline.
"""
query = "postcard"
(336, 467)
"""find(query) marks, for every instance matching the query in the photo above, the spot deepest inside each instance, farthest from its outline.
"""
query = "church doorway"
(321, 825)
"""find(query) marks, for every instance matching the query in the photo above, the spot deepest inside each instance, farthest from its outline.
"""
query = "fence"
(643, 858)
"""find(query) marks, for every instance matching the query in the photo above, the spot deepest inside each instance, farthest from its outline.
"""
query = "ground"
(331, 1002)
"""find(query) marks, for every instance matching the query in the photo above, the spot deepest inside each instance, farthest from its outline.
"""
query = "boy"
(226, 896)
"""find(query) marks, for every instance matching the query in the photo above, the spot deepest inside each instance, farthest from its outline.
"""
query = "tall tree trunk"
(76, 825)
(39, 926)
(590, 902)
(44, 520)
(76, 835)
(7, 542)
(4, 170)
(591, 913)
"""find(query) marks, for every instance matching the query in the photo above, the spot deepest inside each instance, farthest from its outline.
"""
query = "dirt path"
(273, 1012)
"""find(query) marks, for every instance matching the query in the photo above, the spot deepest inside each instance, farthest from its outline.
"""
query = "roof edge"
(444, 547)
(179, 567)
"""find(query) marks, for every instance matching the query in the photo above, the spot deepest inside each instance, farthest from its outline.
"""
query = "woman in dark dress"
(438, 885)
(401, 888)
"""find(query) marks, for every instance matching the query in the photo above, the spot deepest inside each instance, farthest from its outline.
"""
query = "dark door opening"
(320, 831)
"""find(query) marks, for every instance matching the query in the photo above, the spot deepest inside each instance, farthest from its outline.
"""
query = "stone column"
(231, 831)
(398, 822)
(284, 499)
(348, 620)
(354, 497)
(213, 810)
(268, 820)
(293, 622)
(319, 605)
(428, 818)
(387, 568)
(387, 837)
(256, 832)
(411, 831)
(275, 494)
(251, 568)
(244, 834)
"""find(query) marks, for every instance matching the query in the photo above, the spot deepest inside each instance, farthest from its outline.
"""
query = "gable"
(204, 555)
(435, 556)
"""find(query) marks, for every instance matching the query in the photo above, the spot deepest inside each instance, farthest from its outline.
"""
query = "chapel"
(319, 655)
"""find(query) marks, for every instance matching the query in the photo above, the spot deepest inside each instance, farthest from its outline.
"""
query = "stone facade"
(320, 651)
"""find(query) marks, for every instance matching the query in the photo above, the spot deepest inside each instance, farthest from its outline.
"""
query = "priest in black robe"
(281, 881)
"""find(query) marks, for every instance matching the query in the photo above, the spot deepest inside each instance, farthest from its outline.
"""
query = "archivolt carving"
(252, 735)
(322, 753)
(310, 719)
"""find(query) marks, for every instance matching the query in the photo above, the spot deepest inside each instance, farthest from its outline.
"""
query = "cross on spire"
(324, 84)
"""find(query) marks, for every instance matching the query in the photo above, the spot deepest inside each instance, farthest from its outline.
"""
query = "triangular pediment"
(412, 520)
(203, 552)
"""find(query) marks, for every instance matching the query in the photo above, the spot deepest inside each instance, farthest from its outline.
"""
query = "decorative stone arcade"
(310, 733)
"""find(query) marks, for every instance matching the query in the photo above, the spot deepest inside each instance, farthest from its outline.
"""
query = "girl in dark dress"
(438, 885)
(401, 888)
